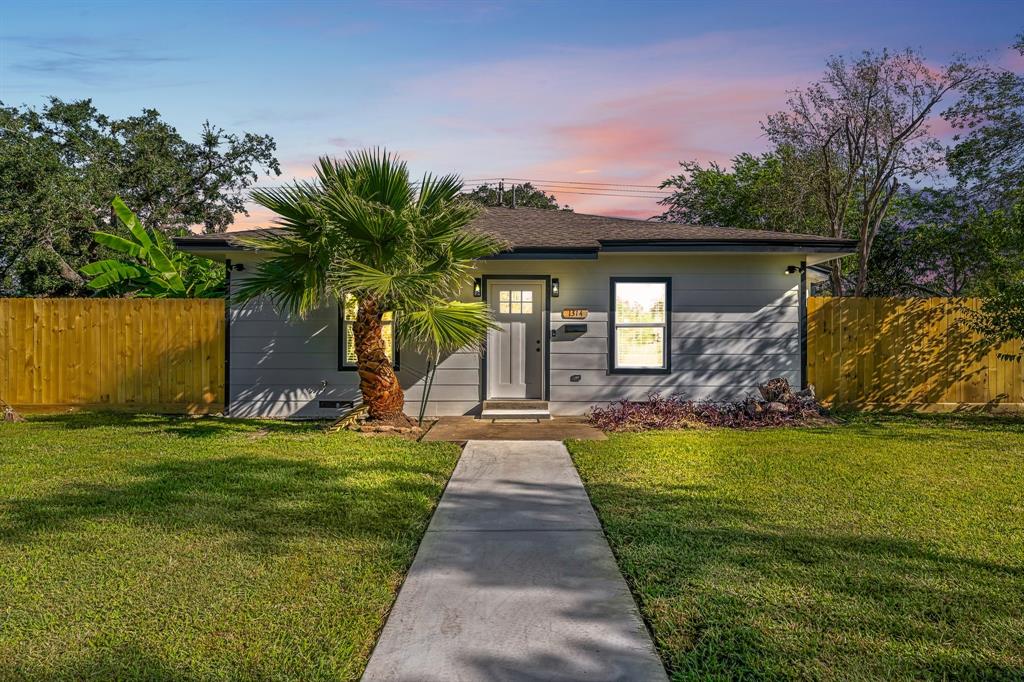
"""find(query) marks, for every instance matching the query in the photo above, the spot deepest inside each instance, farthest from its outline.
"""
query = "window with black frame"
(640, 325)
(346, 341)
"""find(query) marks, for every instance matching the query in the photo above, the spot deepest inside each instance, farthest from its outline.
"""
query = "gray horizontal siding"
(686, 377)
(325, 343)
(266, 329)
(734, 324)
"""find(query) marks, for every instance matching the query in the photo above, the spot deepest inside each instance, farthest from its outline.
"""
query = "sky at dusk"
(586, 92)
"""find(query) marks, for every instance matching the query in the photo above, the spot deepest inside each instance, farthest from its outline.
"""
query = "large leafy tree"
(149, 266)
(764, 192)
(936, 243)
(1002, 286)
(62, 165)
(988, 157)
(363, 229)
(866, 123)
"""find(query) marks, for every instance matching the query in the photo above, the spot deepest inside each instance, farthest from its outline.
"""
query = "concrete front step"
(516, 405)
(515, 409)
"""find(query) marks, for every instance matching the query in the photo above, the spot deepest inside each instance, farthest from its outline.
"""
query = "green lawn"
(887, 547)
(162, 548)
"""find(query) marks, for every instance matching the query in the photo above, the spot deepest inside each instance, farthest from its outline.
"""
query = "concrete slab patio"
(514, 580)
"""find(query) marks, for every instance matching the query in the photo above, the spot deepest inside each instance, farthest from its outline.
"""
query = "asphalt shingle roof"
(534, 229)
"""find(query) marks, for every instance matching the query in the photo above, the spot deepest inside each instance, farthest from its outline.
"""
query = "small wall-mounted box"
(336, 404)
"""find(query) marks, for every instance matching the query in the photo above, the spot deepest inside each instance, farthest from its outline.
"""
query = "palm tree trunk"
(382, 394)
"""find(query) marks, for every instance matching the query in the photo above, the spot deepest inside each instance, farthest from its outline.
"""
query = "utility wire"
(575, 187)
(567, 182)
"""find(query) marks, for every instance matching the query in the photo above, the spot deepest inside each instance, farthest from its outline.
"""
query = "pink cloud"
(1012, 60)
(258, 217)
(617, 115)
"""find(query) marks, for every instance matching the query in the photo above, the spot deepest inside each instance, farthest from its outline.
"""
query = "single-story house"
(592, 309)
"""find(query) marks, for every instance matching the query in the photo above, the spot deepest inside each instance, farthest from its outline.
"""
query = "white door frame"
(545, 372)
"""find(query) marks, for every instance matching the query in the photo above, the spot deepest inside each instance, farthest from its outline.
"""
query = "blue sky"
(566, 91)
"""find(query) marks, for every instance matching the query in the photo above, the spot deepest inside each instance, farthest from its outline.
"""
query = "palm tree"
(363, 229)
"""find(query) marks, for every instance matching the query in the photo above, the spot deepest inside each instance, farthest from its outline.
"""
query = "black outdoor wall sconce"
(554, 287)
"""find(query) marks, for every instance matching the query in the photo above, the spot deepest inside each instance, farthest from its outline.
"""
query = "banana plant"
(151, 267)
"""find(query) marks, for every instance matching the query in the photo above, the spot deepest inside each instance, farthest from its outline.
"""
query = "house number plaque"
(575, 313)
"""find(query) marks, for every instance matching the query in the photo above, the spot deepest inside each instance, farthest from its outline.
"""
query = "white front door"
(515, 351)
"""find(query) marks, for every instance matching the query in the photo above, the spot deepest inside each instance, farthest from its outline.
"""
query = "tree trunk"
(66, 272)
(836, 277)
(382, 394)
(862, 267)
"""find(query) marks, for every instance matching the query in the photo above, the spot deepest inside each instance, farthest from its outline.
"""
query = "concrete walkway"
(514, 581)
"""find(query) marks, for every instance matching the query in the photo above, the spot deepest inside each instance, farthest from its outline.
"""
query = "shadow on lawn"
(177, 425)
(733, 595)
(263, 501)
(869, 422)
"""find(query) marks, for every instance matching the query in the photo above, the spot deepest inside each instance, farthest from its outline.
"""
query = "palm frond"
(470, 246)
(393, 287)
(379, 176)
(289, 283)
(375, 229)
(440, 327)
(438, 192)
(294, 204)
(294, 276)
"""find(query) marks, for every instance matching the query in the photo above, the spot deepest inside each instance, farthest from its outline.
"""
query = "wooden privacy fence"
(142, 355)
(908, 353)
(168, 355)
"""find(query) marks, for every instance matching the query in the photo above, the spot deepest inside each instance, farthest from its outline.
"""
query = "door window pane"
(515, 302)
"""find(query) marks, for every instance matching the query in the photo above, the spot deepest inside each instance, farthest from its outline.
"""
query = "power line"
(574, 187)
(625, 192)
(597, 192)
(559, 186)
(607, 194)
(533, 181)
(568, 182)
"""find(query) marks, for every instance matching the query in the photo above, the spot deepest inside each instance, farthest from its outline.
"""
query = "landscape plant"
(150, 266)
(778, 405)
(62, 164)
(363, 228)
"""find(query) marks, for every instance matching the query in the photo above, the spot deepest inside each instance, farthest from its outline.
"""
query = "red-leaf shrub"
(676, 412)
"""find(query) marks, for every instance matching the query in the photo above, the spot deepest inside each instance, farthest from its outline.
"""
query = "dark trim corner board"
(227, 336)
(802, 312)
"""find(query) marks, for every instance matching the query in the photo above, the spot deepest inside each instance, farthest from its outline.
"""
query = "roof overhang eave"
(547, 253)
(838, 247)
